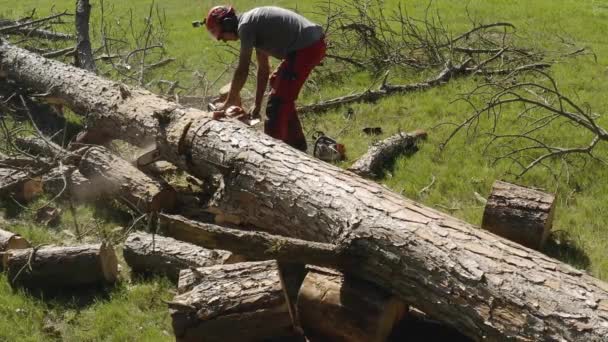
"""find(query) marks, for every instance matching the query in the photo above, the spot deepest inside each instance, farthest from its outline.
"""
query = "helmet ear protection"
(229, 22)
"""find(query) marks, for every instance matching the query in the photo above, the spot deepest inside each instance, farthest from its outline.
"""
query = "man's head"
(222, 23)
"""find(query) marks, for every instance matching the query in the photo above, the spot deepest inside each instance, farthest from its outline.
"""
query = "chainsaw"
(328, 149)
(235, 112)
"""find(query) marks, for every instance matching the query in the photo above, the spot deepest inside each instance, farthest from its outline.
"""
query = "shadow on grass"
(72, 297)
(561, 246)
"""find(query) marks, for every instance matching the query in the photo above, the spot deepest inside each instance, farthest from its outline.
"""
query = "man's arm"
(239, 78)
(262, 80)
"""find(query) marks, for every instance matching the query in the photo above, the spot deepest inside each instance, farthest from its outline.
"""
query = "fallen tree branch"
(8, 29)
(371, 163)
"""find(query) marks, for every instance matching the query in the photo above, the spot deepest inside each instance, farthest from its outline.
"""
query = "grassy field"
(134, 311)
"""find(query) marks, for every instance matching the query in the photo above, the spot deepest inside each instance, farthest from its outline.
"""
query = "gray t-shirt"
(276, 31)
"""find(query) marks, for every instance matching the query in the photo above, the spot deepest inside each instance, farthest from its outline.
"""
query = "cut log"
(8, 241)
(335, 307)
(66, 180)
(54, 267)
(370, 165)
(237, 302)
(112, 175)
(154, 254)
(481, 284)
(519, 214)
(19, 184)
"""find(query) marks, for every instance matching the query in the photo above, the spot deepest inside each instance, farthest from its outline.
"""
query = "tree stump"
(520, 214)
(335, 307)
(9, 241)
(236, 302)
(147, 253)
(56, 267)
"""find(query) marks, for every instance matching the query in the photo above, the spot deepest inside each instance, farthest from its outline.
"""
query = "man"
(280, 33)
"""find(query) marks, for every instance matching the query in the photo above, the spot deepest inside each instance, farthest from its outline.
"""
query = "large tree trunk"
(54, 267)
(483, 285)
(237, 302)
(147, 253)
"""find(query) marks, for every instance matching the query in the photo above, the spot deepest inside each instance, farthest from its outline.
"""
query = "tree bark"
(519, 214)
(54, 267)
(19, 184)
(371, 163)
(146, 253)
(112, 175)
(335, 307)
(9, 241)
(481, 284)
(84, 55)
(237, 302)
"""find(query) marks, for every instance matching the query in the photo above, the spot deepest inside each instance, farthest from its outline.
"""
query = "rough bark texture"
(8, 241)
(481, 284)
(237, 302)
(112, 175)
(39, 146)
(51, 267)
(370, 165)
(519, 214)
(332, 307)
(66, 180)
(251, 244)
(84, 55)
(19, 184)
(147, 253)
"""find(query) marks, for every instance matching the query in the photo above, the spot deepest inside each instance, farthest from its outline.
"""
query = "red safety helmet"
(215, 20)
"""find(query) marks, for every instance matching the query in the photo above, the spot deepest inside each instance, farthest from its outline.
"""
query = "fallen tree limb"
(154, 254)
(483, 285)
(448, 73)
(371, 163)
(22, 185)
(237, 302)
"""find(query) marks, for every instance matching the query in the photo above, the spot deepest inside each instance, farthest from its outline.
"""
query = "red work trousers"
(286, 82)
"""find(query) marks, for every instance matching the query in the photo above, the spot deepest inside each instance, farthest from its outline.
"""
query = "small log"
(9, 241)
(56, 267)
(237, 302)
(371, 163)
(519, 214)
(335, 307)
(19, 184)
(113, 175)
(147, 253)
(39, 146)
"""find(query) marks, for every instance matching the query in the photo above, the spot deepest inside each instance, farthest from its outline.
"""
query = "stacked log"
(58, 267)
(236, 302)
(335, 307)
(520, 214)
(10, 241)
(154, 254)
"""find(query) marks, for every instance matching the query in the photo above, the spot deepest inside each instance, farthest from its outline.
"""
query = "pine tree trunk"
(485, 286)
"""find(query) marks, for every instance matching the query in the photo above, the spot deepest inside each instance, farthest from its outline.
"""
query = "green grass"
(133, 311)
